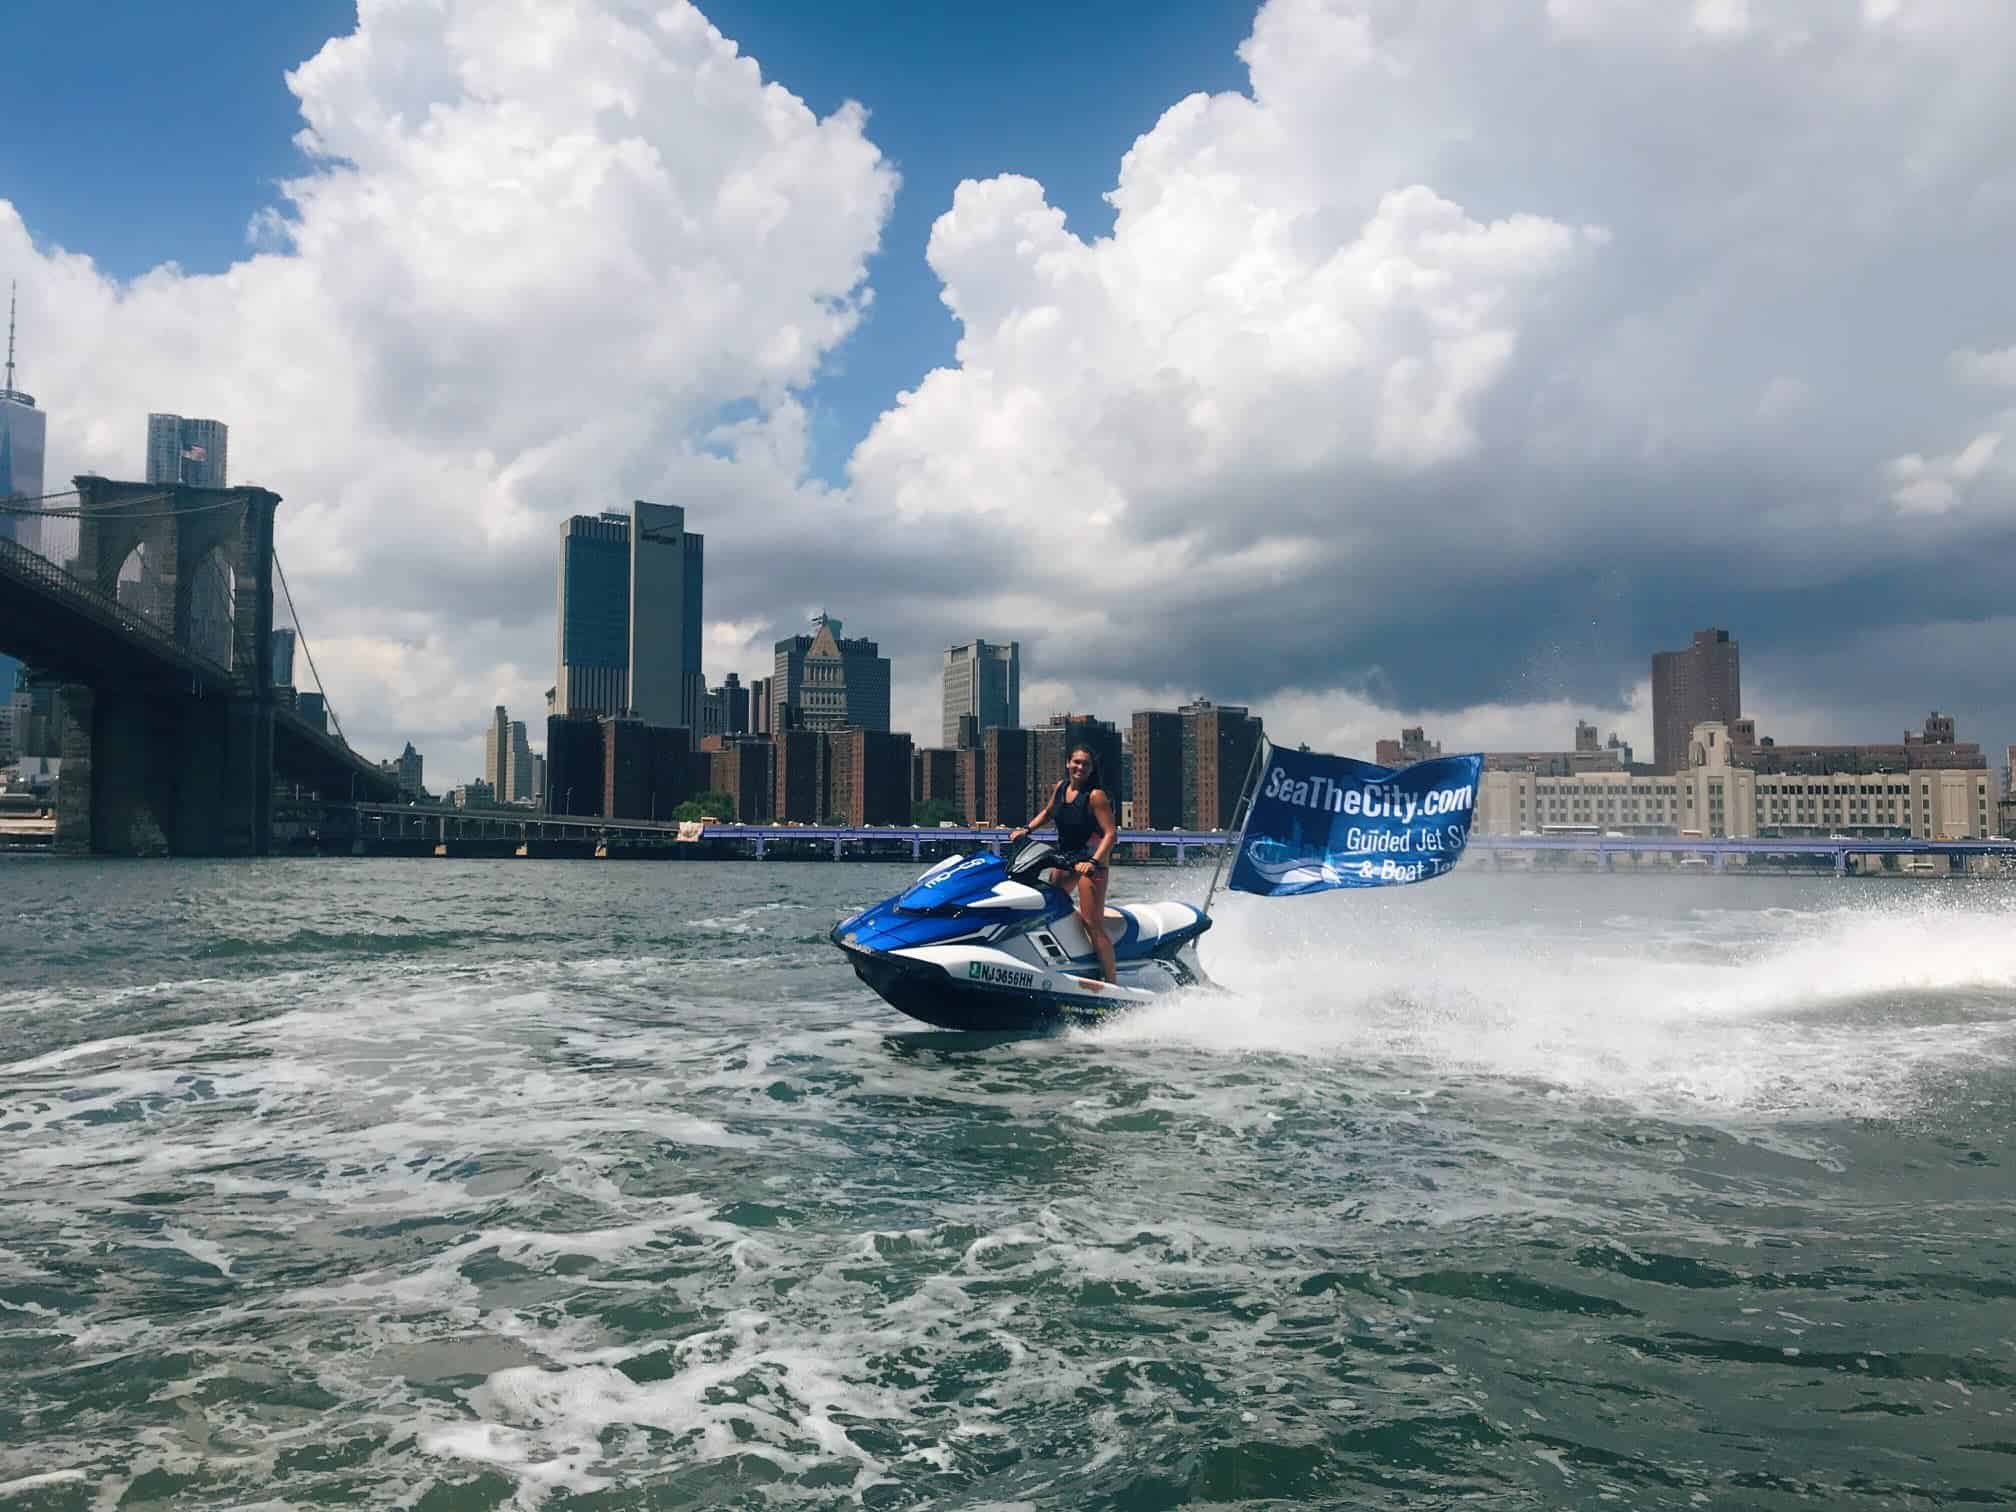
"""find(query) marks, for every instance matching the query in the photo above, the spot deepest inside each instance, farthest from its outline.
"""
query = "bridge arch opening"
(139, 585)
(213, 607)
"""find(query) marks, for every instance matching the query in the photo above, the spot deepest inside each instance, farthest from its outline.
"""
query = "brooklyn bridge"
(152, 606)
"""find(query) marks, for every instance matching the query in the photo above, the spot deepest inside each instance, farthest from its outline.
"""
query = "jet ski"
(982, 942)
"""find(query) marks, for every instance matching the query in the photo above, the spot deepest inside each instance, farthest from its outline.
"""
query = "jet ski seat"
(1148, 920)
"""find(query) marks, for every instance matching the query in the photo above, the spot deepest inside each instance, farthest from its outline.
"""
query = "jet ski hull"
(928, 992)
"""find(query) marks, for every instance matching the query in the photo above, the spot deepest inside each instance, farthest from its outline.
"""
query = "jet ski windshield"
(953, 881)
(1031, 857)
(959, 880)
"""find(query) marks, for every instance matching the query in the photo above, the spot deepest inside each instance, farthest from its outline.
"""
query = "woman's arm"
(1102, 815)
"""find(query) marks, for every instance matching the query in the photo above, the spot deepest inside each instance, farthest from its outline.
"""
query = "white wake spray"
(1838, 1005)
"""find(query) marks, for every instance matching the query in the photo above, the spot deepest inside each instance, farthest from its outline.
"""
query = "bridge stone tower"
(187, 769)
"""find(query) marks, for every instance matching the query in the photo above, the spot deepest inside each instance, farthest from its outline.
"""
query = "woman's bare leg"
(1092, 913)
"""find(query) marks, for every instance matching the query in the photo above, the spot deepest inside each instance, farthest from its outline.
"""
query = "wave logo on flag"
(1318, 822)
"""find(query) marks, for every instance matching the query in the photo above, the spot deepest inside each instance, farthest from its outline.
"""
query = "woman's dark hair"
(1091, 760)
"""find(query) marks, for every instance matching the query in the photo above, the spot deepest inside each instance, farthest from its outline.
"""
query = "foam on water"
(1839, 1011)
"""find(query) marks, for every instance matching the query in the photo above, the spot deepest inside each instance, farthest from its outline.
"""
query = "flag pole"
(1245, 812)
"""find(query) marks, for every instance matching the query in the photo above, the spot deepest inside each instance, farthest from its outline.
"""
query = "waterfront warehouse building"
(1713, 795)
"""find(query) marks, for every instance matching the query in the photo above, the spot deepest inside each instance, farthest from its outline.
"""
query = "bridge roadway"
(57, 623)
(385, 820)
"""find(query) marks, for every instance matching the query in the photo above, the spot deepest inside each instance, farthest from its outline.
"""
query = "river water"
(446, 1185)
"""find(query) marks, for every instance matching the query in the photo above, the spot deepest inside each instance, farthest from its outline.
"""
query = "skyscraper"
(1006, 777)
(23, 429)
(1158, 769)
(1218, 745)
(869, 776)
(594, 628)
(867, 683)
(726, 710)
(1703, 682)
(830, 681)
(822, 686)
(188, 451)
(410, 766)
(745, 768)
(517, 767)
(804, 788)
(630, 617)
(937, 778)
(734, 705)
(666, 569)
(984, 681)
(283, 657)
(574, 774)
(1056, 740)
(497, 751)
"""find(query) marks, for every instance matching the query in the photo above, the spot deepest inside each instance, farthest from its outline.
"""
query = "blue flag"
(1318, 822)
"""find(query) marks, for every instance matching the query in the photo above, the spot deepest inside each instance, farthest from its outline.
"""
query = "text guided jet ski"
(982, 943)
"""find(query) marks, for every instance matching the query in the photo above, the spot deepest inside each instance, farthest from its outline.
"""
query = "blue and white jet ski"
(982, 943)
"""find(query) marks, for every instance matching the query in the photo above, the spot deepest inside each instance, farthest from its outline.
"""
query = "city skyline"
(826, 753)
(928, 394)
(1593, 747)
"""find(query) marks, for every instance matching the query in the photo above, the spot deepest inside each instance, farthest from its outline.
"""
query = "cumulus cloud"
(1463, 358)
(1933, 485)
(1447, 367)
(1995, 369)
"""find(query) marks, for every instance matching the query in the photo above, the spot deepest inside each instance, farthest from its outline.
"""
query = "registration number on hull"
(989, 974)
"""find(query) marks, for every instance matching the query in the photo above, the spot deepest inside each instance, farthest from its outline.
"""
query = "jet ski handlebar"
(1032, 856)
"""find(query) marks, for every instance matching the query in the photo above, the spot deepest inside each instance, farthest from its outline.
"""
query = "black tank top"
(1075, 825)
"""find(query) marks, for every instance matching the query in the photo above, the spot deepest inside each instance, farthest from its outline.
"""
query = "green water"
(433, 1185)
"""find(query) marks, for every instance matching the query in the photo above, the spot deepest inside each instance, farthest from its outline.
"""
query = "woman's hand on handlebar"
(1015, 835)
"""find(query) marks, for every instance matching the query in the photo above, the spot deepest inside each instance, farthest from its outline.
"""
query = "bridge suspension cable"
(15, 506)
(213, 606)
(302, 631)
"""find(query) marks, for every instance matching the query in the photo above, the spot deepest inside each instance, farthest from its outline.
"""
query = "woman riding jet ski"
(979, 942)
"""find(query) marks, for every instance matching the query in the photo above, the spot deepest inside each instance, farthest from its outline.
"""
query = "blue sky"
(106, 156)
